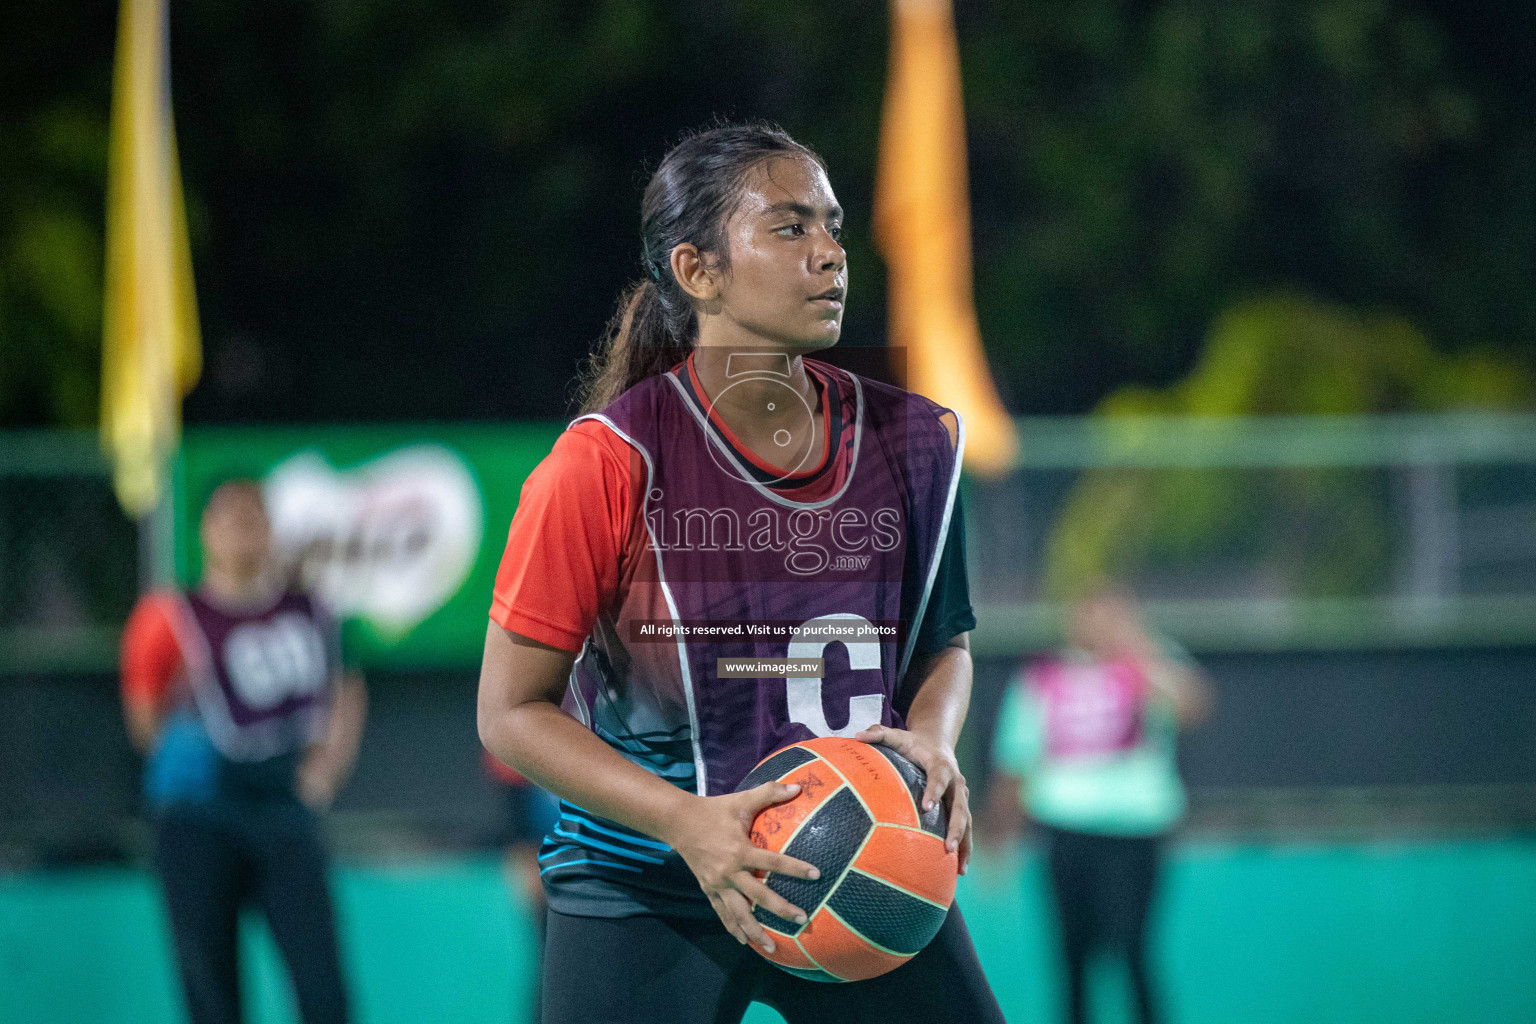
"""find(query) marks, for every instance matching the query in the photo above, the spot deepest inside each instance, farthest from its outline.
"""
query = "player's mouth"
(832, 298)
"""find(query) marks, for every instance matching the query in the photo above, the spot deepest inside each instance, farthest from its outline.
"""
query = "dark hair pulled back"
(689, 199)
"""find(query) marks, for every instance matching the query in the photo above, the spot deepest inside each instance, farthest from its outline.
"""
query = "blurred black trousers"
(214, 858)
(673, 970)
(1102, 889)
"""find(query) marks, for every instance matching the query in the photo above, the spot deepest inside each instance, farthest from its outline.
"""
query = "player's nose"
(830, 255)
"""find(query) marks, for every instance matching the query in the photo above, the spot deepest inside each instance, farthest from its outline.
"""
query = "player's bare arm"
(328, 764)
(933, 728)
(520, 721)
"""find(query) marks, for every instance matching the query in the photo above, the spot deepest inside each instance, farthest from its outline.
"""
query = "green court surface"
(1407, 933)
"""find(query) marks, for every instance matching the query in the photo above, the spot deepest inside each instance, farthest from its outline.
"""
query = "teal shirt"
(1134, 792)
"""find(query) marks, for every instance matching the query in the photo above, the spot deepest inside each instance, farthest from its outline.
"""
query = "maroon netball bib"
(749, 574)
(260, 677)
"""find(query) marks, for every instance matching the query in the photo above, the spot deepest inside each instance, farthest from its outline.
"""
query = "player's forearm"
(521, 684)
(328, 764)
(1005, 814)
(142, 719)
(555, 751)
(944, 695)
(345, 736)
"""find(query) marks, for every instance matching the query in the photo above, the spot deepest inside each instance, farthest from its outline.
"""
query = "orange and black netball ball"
(886, 879)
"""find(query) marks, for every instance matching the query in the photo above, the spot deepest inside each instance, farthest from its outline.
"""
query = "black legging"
(214, 858)
(1102, 888)
(661, 970)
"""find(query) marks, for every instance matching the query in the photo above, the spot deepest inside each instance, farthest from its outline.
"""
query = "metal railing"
(68, 555)
(1271, 533)
(1277, 533)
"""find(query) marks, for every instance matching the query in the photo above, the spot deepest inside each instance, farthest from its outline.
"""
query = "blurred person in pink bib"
(1085, 746)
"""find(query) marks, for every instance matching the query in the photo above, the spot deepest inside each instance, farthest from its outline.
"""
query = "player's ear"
(696, 274)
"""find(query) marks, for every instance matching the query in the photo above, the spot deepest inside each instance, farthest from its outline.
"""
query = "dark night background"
(408, 212)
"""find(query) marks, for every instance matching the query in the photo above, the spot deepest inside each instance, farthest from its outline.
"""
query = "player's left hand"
(944, 781)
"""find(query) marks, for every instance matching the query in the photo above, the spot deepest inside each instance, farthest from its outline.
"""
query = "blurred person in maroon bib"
(235, 693)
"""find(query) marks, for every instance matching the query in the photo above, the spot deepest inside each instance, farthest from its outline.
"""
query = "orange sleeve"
(151, 656)
(564, 554)
(499, 772)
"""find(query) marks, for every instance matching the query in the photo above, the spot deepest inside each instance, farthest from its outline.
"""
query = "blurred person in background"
(235, 693)
(529, 813)
(1086, 744)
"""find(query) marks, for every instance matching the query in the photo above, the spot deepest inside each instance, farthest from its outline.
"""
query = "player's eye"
(790, 230)
(836, 231)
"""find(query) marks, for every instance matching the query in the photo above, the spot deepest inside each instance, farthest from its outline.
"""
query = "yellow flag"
(922, 227)
(151, 348)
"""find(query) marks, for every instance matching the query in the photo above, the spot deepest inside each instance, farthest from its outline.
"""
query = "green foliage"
(1140, 166)
(404, 193)
(1288, 354)
(50, 267)
(1320, 531)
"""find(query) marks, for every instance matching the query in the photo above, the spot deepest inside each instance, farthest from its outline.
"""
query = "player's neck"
(746, 386)
(234, 590)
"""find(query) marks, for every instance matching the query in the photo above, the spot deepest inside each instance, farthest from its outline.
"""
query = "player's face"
(1092, 626)
(237, 536)
(788, 276)
(1102, 624)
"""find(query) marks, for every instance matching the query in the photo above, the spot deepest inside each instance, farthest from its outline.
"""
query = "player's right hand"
(713, 839)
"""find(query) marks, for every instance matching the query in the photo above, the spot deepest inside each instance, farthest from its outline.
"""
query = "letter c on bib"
(805, 706)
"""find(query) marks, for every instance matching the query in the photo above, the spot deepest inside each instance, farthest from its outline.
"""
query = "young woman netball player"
(234, 692)
(722, 479)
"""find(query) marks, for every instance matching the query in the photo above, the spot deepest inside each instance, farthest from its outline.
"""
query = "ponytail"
(689, 199)
(640, 341)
